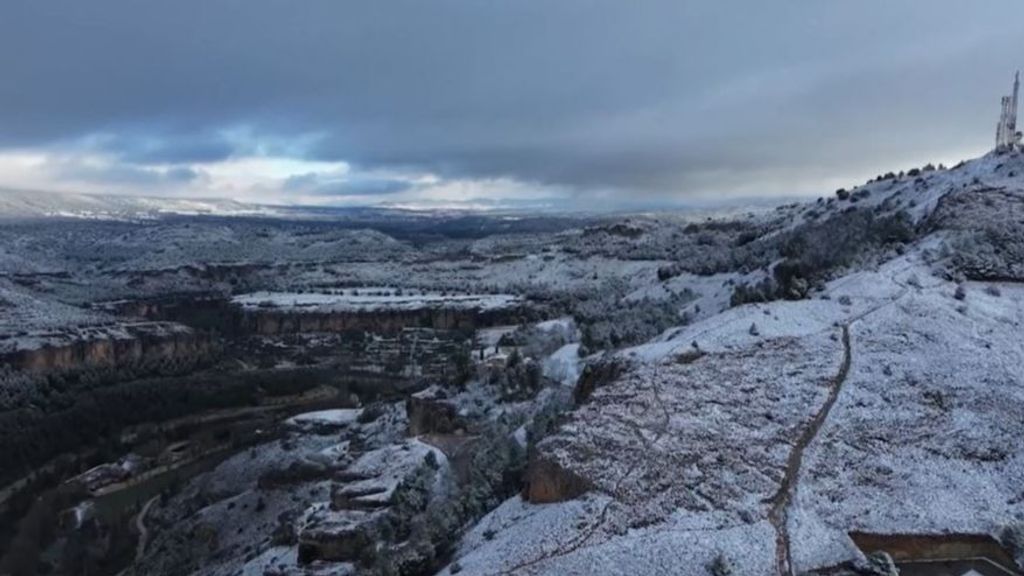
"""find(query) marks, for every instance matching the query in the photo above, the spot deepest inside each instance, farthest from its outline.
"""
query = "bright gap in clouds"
(268, 180)
(293, 181)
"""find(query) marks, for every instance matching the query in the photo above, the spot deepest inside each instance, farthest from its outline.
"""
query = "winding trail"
(778, 515)
(140, 525)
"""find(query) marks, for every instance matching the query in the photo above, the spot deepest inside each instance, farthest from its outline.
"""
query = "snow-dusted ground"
(564, 365)
(334, 418)
(229, 520)
(920, 194)
(372, 299)
(687, 450)
(565, 538)
(711, 293)
(225, 509)
(923, 436)
(384, 469)
(22, 313)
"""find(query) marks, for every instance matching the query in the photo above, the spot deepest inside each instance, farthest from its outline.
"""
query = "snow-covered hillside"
(889, 402)
(37, 204)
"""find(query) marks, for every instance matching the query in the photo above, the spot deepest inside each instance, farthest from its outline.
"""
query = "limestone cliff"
(136, 344)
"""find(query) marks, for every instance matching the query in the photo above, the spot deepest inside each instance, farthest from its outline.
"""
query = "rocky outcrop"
(636, 437)
(271, 322)
(214, 312)
(144, 344)
(369, 492)
(598, 374)
(547, 481)
(206, 311)
(430, 415)
(297, 472)
(345, 497)
(337, 537)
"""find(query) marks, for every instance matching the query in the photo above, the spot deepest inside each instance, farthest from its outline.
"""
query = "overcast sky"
(567, 103)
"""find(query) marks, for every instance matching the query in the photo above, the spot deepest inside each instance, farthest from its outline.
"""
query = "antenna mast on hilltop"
(1007, 137)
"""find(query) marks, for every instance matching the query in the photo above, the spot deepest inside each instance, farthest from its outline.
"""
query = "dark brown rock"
(142, 344)
(431, 416)
(547, 482)
(338, 536)
(597, 374)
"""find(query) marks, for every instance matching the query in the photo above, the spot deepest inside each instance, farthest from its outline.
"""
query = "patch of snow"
(338, 418)
(564, 365)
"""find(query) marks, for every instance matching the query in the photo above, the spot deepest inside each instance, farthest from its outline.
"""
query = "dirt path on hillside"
(140, 525)
(778, 515)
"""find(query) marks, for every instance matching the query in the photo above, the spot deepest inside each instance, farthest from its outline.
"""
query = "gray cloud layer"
(661, 96)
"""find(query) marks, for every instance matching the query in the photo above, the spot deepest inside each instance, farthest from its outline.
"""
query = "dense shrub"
(815, 252)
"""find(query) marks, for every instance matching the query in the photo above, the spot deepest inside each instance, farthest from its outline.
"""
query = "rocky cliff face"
(139, 344)
(430, 415)
(548, 481)
(207, 311)
(597, 374)
(273, 322)
(214, 312)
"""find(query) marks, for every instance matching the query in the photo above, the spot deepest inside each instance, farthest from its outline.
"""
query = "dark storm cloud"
(153, 146)
(662, 95)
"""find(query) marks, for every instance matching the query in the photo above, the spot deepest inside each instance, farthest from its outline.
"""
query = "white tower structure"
(1007, 136)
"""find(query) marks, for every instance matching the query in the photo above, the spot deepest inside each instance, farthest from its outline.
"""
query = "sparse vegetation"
(720, 566)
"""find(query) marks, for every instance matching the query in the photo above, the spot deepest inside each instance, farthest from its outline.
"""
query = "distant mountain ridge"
(41, 204)
(18, 204)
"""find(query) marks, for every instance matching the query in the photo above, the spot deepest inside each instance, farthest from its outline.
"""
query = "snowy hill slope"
(761, 437)
(37, 204)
